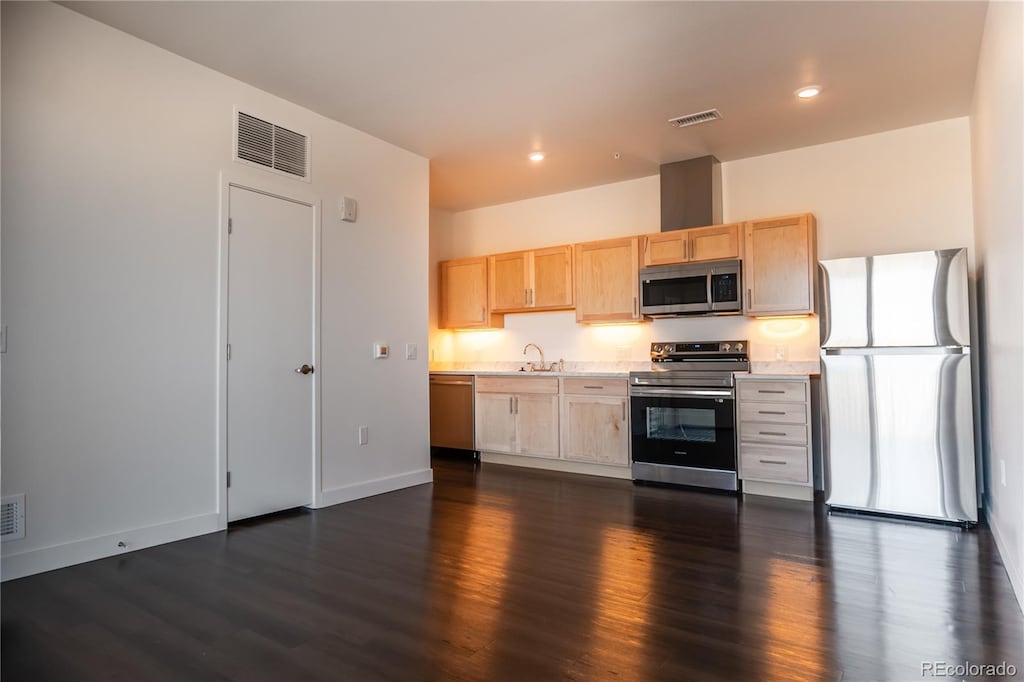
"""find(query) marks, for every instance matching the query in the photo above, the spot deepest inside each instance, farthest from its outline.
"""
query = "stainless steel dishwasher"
(452, 420)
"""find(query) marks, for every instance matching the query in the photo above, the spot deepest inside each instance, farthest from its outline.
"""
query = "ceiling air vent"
(694, 119)
(271, 146)
(12, 517)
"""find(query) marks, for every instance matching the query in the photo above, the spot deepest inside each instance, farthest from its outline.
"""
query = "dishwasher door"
(452, 419)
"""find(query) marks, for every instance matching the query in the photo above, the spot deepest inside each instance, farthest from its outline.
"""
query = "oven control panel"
(670, 351)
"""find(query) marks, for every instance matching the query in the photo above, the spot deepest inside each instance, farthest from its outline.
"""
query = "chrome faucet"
(533, 366)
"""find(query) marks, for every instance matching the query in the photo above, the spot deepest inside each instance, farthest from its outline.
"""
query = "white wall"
(997, 145)
(901, 190)
(112, 150)
(895, 191)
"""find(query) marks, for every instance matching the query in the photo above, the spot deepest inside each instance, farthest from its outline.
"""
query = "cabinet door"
(778, 267)
(509, 283)
(538, 424)
(463, 289)
(551, 280)
(607, 280)
(665, 248)
(714, 243)
(596, 430)
(496, 422)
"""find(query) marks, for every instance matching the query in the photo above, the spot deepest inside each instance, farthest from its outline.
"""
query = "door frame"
(254, 181)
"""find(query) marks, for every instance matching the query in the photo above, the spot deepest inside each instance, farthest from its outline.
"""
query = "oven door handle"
(702, 393)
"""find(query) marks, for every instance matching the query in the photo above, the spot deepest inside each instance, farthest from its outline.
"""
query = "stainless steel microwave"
(691, 289)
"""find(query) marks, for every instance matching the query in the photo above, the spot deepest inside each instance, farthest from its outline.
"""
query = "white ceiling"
(476, 86)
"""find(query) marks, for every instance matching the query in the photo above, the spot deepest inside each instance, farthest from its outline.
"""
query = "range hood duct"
(691, 193)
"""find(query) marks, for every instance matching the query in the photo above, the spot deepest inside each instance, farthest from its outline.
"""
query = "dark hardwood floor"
(500, 573)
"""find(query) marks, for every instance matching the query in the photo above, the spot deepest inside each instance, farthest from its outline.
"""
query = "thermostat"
(380, 350)
(348, 209)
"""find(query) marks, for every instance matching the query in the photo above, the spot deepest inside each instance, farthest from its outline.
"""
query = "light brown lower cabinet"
(517, 415)
(596, 429)
(775, 430)
(577, 419)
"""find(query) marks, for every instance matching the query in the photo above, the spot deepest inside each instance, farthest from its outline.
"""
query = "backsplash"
(557, 333)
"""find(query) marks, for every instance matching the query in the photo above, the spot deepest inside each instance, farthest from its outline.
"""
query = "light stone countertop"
(785, 369)
(572, 368)
(615, 369)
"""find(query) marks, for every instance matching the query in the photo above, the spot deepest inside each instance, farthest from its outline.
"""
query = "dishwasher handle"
(451, 381)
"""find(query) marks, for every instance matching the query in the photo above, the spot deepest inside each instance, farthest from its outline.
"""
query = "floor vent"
(694, 119)
(12, 517)
(271, 146)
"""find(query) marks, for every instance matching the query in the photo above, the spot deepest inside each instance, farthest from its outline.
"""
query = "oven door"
(689, 428)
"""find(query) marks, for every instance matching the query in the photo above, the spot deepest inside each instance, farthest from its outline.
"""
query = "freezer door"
(905, 299)
(899, 433)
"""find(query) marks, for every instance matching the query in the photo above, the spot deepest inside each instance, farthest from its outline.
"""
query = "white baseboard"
(377, 486)
(606, 470)
(29, 562)
(789, 492)
(1013, 569)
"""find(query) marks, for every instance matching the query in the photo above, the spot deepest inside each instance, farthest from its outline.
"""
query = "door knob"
(305, 369)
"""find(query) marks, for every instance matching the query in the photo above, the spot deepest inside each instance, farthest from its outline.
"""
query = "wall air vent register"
(12, 517)
(270, 146)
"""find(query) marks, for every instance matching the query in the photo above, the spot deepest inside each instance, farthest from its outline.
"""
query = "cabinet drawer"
(604, 386)
(487, 384)
(785, 463)
(775, 391)
(792, 434)
(776, 413)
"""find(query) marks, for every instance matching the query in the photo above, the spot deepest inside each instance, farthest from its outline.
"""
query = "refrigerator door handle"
(899, 350)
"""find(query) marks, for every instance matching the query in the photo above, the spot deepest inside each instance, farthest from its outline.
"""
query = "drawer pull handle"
(598, 388)
(767, 390)
(771, 461)
(769, 412)
(772, 433)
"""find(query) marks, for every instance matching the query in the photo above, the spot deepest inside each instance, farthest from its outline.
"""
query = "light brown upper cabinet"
(463, 287)
(607, 280)
(531, 280)
(780, 258)
(716, 242)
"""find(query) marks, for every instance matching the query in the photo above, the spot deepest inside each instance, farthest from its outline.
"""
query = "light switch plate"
(410, 351)
(380, 351)
(364, 435)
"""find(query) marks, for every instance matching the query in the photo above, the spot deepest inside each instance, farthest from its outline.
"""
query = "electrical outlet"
(1002, 472)
(364, 435)
(380, 351)
(781, 352)
(410, 351)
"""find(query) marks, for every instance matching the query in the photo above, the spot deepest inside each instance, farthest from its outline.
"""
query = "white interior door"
(270, 332)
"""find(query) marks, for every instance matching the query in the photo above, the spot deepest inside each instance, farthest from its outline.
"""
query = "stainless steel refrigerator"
(896, 372)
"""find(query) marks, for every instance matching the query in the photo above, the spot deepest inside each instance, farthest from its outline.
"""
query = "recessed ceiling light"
(808, 92)
(537, 156)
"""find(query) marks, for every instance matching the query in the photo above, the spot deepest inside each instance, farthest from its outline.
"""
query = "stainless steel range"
(684, 414)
